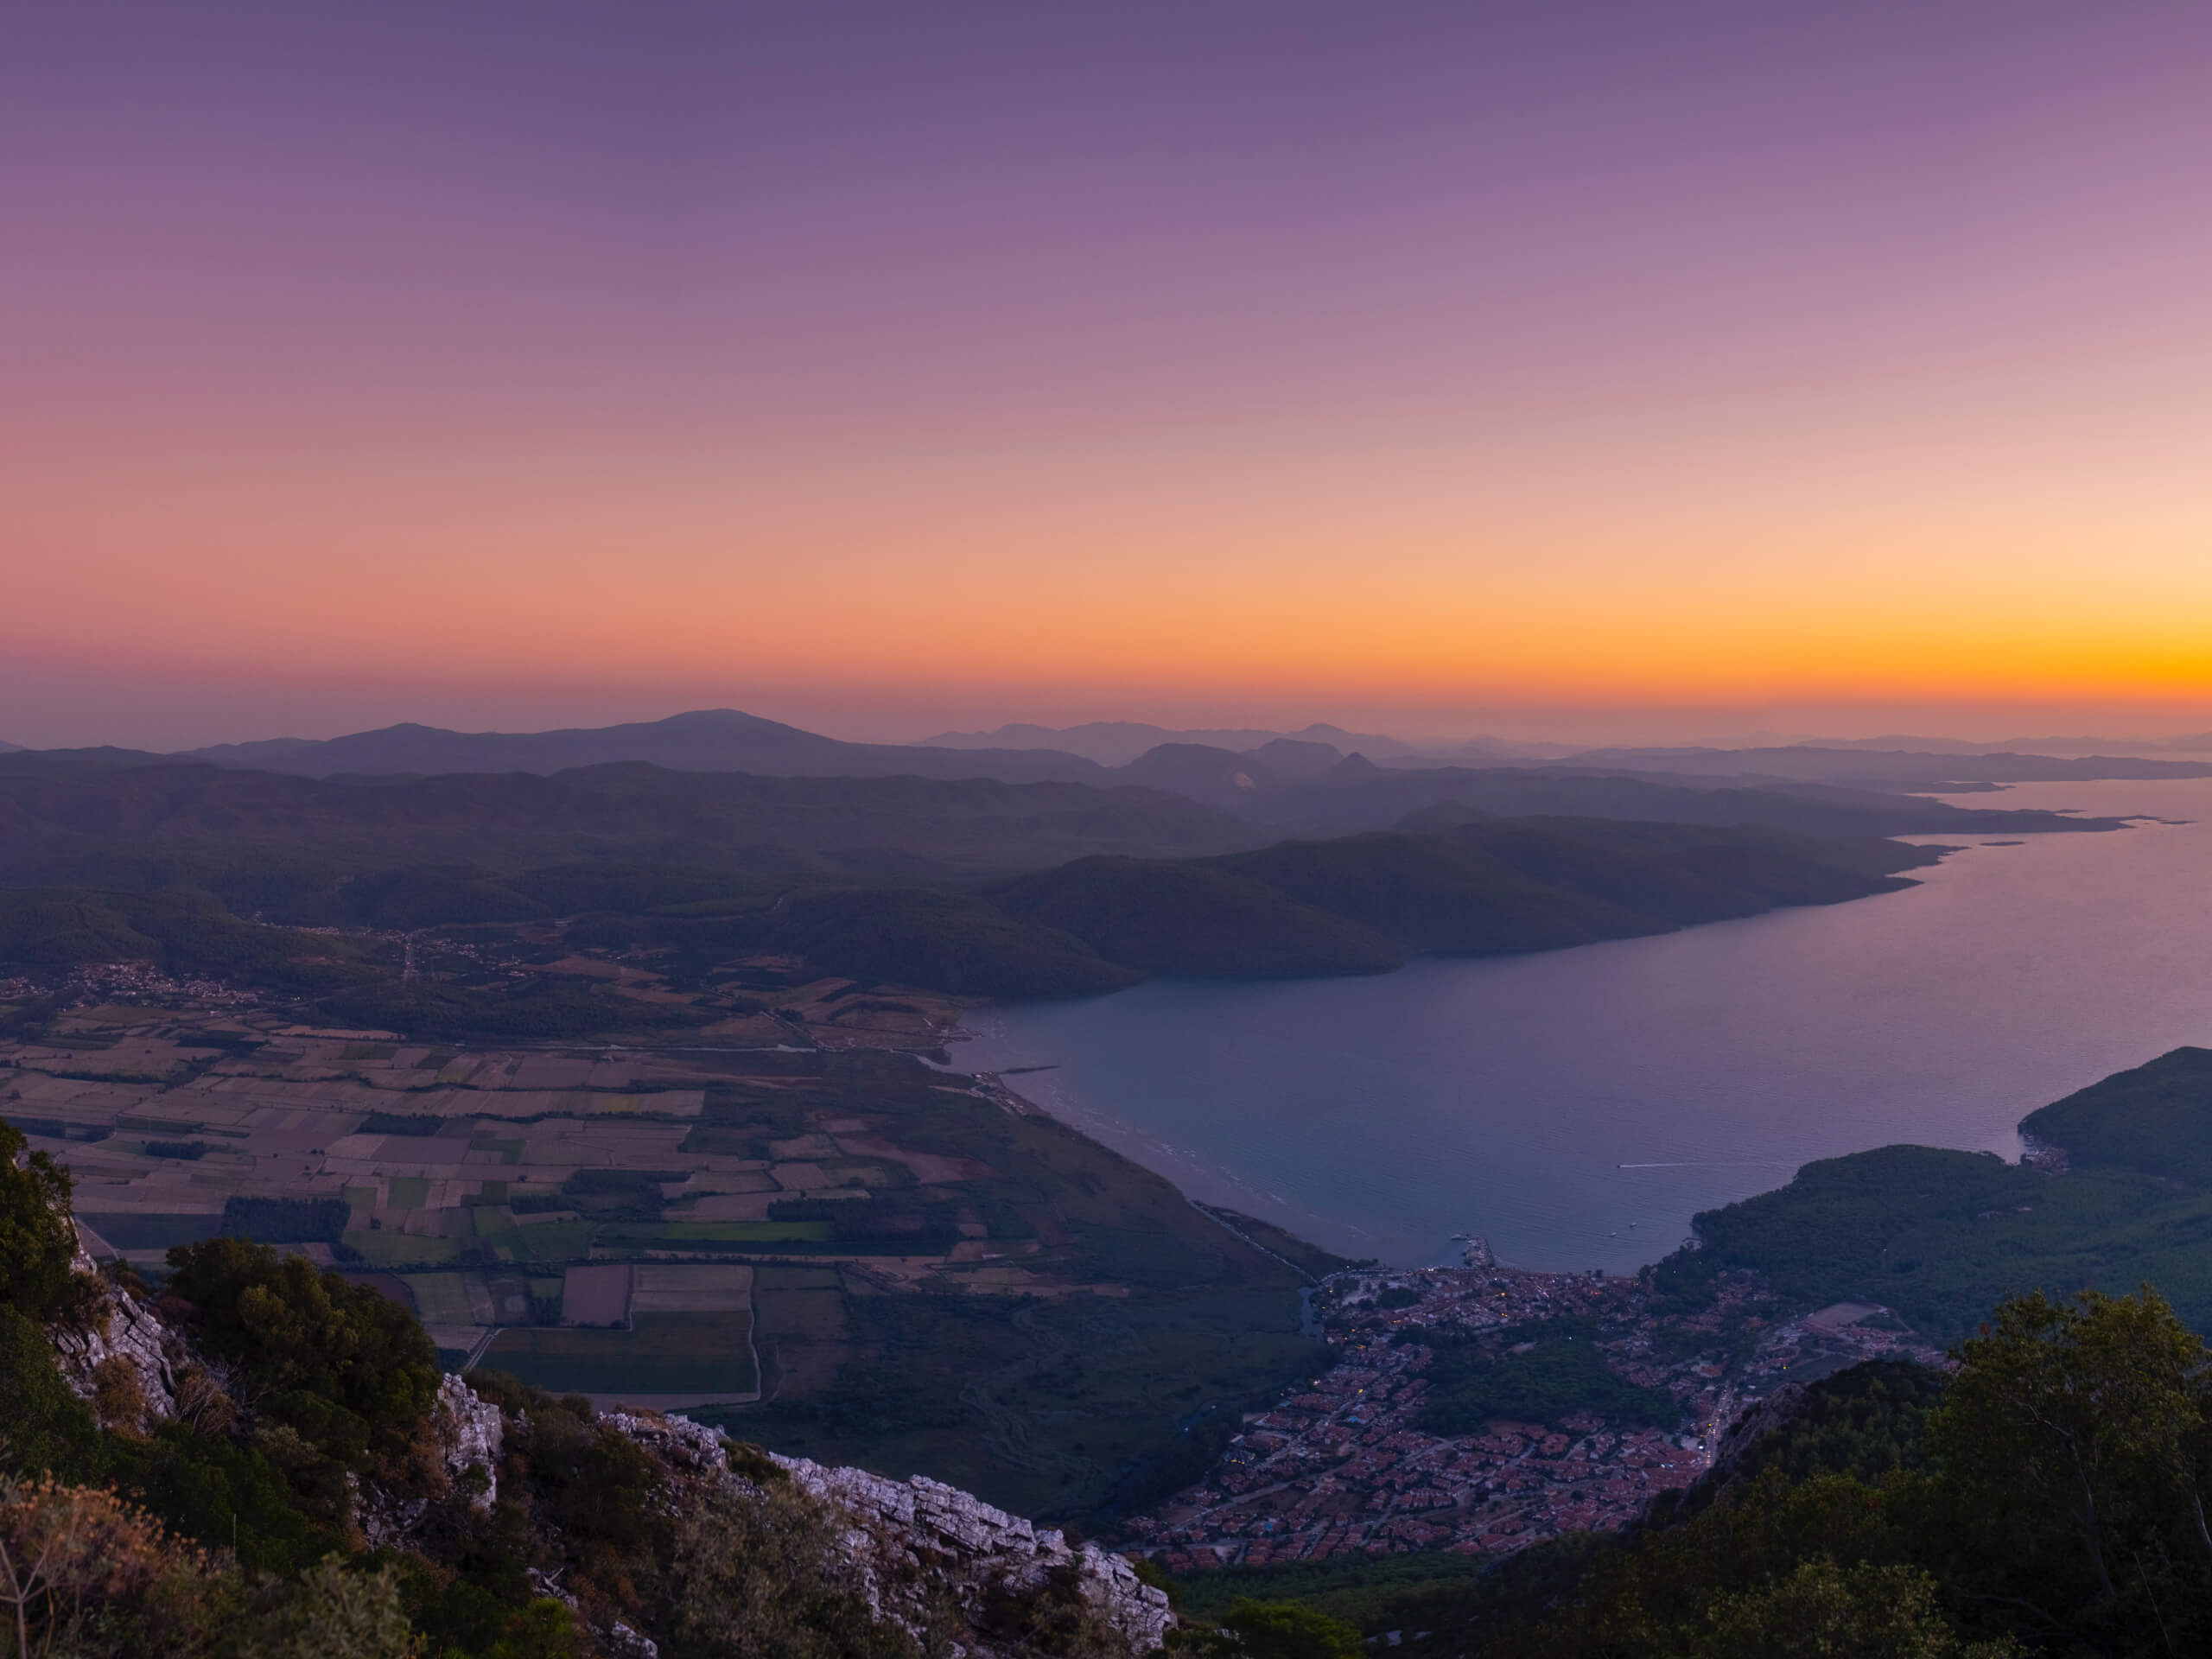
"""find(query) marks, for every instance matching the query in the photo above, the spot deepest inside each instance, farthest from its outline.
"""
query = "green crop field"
(441, 1298)
(547, 1241)
(720, 1232)
(667, 1353)
(387, 1248)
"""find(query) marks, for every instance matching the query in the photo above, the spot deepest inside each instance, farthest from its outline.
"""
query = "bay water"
(1577, 1108)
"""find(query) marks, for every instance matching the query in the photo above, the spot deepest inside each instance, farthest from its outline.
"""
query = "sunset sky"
(1601, 370)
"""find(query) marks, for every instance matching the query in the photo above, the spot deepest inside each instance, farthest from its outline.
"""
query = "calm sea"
(1578, 1107)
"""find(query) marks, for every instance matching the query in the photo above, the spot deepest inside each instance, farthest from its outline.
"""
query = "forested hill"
(704, 740)
(1368, 902)
(99, 822)
(1941, 1235)
(970, 886)
(1362, 904)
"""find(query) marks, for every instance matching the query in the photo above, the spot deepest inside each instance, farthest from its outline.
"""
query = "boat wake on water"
(1756, 1163)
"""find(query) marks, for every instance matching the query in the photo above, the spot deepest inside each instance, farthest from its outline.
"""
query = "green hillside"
(1363, 904)
(1942, 1235)
(942, 941)
(1198, 921)
(186, 934)
(2156, 1118)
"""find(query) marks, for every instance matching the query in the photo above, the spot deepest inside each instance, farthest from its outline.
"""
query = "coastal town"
(1343, 1465)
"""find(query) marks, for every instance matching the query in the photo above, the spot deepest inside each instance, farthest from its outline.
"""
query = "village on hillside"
(1345, 1466)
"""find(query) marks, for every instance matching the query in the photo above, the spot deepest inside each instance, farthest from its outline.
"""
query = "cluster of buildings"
(135, 981)
(1343, 1465)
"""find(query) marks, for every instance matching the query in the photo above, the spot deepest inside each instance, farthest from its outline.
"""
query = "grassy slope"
(1039, 1404)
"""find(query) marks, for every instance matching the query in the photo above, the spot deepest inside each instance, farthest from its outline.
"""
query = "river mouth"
(1578, 1107)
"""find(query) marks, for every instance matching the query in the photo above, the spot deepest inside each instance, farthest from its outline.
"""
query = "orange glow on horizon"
(1382, 584)
(1476, 360)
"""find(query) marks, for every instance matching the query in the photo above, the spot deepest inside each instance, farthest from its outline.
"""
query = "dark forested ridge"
(281, 844)
(704, 740)
(1366, 903)
(2156, 1119)
(902, 880)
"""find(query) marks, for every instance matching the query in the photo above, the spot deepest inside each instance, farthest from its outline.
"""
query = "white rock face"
(677, 1440)
(988, 1550)
(967, 1547)
(906, 1537)
(471, 1434)
(127, 1329)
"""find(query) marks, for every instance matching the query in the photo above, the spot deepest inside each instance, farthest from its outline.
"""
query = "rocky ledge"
(981, 1554)
(915, 1549)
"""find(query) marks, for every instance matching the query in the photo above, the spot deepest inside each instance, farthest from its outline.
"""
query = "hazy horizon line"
(1586, 726)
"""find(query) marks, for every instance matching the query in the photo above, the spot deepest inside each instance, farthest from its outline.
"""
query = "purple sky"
(894, 366)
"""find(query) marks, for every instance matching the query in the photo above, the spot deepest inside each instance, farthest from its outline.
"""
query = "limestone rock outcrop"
(980, 1553)
(917, 1539)
(471, 1434)
(916, 1549)
(119, 1358)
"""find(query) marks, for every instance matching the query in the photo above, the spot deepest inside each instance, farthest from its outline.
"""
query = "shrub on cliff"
(348, 1371)
(37, 1243)
(83, 1571)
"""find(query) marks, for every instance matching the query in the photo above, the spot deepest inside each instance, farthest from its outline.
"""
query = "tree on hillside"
(1277, 1630)
(348, 1373)
(2076, 1444)
(2062, 1507)
(37, 1242)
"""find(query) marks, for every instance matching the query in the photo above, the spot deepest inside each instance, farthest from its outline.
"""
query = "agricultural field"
(787, 1222)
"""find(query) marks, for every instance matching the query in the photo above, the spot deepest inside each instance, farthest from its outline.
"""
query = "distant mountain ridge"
(1118, 742)
(1306, 789)
(1884, 769)
(704, 740)
(2197, 743)
(1289, 786)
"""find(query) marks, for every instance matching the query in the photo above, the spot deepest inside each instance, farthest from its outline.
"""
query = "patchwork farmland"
(789, 1223)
